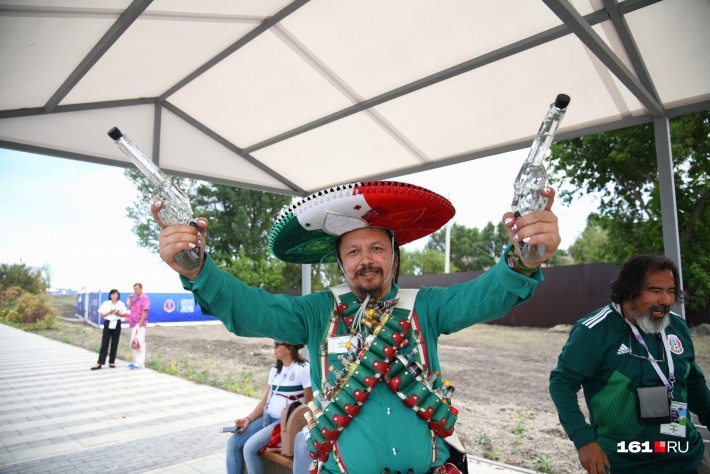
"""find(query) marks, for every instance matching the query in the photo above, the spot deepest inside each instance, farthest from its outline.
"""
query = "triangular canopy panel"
(293, 97)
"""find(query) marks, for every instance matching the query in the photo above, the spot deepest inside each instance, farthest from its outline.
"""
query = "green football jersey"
(600, 357)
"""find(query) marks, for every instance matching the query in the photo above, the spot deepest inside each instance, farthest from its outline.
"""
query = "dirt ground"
(500, 375)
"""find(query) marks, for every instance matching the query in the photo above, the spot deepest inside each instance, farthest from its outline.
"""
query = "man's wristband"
(515, 263)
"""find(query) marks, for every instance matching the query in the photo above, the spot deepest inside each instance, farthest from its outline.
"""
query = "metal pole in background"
(447, 253)
(666, 185)
(306, 279)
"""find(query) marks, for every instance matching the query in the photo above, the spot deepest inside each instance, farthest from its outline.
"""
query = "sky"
(71, 216)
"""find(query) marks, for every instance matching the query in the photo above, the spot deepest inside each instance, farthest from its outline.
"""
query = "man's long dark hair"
(632, 276)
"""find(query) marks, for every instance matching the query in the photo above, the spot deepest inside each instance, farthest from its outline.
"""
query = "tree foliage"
(30, 310)
(592, 244)
(23, 298)
(144, 227)
(559, 258)
(471, 249)
(21, 276)
(621, 168)
(325, 275)
(244, 216)
(422, 262)
(240, 221)
(239, 224)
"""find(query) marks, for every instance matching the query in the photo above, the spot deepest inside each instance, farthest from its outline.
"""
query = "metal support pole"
(306, 279)
(666, 183)
(447, 253)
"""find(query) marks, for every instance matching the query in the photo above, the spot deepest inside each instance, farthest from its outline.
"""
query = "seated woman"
(289, 380)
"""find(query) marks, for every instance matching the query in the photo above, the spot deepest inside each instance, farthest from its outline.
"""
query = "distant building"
(61, 291)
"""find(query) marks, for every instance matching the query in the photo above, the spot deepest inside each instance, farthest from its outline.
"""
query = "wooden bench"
(278, 462)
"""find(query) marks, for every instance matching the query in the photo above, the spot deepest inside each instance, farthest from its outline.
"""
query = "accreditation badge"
(679, 417)
(112, 324)
(336, 345)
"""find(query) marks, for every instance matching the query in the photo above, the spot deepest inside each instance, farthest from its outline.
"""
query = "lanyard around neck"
(668, 382)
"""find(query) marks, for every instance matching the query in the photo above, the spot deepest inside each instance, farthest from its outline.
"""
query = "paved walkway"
(57, 416)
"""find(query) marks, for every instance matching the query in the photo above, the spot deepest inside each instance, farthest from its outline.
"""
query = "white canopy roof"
(295, 96)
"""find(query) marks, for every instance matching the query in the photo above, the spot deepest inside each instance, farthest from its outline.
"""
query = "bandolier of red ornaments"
(377, 356)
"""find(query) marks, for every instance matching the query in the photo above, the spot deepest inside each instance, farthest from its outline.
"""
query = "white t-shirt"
(108, 305)
(291, 382)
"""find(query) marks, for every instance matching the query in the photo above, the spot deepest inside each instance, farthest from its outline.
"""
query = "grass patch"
(543, 464)
(88, 337)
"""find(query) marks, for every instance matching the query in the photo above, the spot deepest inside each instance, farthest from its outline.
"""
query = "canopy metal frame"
(612, 33)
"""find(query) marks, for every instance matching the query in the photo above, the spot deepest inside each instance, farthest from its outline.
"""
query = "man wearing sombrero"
(373, 347)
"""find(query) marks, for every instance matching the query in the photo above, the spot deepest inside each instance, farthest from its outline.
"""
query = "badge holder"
(654, 405)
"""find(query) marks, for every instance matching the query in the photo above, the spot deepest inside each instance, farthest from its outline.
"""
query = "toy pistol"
(532, 176)
(176, 206)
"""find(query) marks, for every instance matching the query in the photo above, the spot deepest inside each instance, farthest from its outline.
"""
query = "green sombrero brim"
(411, 212)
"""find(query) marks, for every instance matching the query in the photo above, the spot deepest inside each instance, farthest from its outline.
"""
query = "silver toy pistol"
(176, 206)
(532, 176)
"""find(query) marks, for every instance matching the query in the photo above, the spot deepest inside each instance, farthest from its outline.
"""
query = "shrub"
(9, 295)
(32, 310)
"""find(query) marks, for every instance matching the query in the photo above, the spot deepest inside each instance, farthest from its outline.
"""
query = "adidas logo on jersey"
(622, 350)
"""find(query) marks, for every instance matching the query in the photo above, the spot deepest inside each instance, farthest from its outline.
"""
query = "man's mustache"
(367, 269)
(661, 307)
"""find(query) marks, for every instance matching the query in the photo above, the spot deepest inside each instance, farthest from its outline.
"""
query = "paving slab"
(57, 416)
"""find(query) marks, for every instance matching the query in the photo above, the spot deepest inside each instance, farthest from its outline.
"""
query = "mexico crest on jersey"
(675, 345)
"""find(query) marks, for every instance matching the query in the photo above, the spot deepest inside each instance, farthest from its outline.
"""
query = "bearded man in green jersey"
(636, 363)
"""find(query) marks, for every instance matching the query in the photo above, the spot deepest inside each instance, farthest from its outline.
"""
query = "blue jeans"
(301, 458)
(243, 448)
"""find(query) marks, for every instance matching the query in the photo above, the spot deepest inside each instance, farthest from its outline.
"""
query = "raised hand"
(539, 227)
(175, 238)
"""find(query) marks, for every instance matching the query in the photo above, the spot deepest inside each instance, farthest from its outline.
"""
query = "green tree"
(422, 262)
(23, 277)
(620, 166)
(143, 226)
(263, 273)
(407, 262)
(325, 275)
(471, 249)
(591, 246)
(495, 240)
(239, 224)
(240, 219)
(559, 259)
(23, 297)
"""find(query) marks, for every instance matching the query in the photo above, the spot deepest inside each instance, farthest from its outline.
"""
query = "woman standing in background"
(112, 310)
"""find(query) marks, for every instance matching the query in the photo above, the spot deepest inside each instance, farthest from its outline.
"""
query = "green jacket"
(385, 433)
(596, 357)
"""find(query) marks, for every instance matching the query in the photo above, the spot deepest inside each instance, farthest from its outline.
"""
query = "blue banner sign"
(165, 308)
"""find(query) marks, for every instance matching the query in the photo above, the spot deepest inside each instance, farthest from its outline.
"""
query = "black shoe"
(96, 367)
(113, 366)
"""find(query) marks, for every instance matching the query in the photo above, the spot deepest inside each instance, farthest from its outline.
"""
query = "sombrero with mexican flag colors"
(307, 230)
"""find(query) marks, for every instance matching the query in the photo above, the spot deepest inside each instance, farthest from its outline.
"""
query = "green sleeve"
(253, 312)
(485, 298)
(574, 366)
